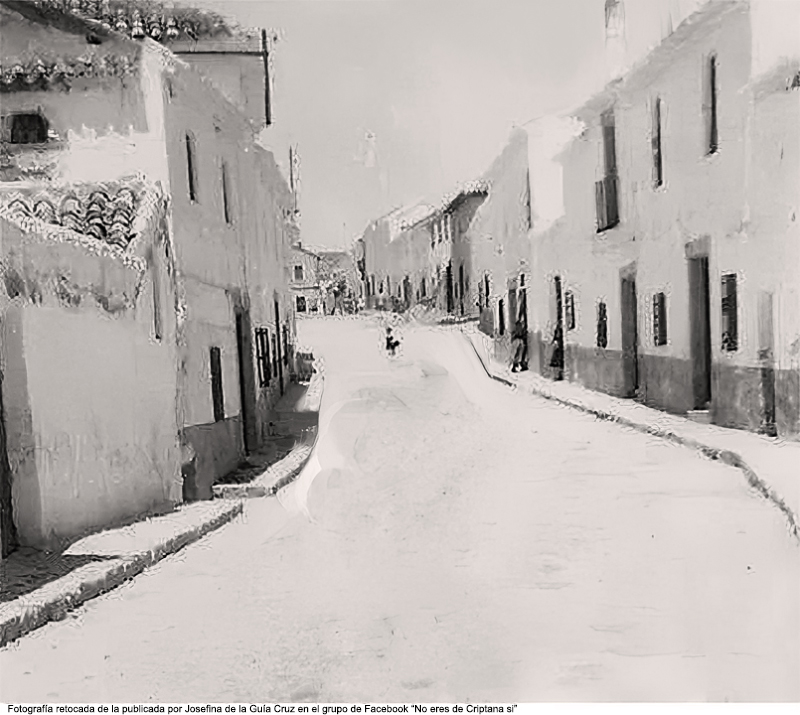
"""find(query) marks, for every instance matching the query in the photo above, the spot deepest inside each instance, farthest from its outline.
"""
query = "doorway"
(278, 338)
(449, 287)
(630, 334)
(8, 531)
(461, 288)
(766, 355)
(247, 396)
(557, 358)
(700, 331)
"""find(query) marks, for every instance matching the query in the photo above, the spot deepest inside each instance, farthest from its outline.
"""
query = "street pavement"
(451, 540)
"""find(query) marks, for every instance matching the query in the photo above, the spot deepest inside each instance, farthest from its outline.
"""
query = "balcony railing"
(606, 199)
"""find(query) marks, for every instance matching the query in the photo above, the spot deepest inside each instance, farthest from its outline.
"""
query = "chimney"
(238, 66)
(615, 38)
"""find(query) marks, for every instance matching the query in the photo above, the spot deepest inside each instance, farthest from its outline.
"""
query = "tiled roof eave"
(58, 234)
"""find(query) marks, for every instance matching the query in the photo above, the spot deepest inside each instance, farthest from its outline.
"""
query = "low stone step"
(702, 417)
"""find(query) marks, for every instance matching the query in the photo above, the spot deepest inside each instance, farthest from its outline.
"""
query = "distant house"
(145, 312)
(339, 279)
(304, 282)
(421, 254)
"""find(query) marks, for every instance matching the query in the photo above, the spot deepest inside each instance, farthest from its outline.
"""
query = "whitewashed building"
(666, 268)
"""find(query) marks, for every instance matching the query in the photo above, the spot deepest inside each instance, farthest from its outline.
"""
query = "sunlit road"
(464, 543)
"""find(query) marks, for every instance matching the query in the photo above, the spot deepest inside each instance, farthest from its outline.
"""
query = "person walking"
(518, 342)
(557, 358)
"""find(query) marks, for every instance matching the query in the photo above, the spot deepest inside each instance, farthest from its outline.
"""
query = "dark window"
(301, 304)
(501, 316)
(569, 309)
(660, 319)
(730, 325)
(606, 189)
(191, 166)
(217, 396)
(275, 353)
(712, 135)
(262, 357)
(609, 143)
(602, 325)
(422, 287)
(658, 164)
(28, 129)
(226, 208)
(298, 273)
(285, 344)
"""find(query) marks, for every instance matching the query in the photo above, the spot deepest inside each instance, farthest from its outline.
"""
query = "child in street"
(392, 343)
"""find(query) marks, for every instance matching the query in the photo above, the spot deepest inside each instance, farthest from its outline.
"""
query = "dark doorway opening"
(449, 286)
(461, 288)
(766, 355)
(279, 355)
(700, 331)
(8, 530)
(557, 357)
(244, 349)
(629, 334)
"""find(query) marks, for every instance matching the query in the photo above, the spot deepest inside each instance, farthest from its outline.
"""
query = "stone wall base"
(219, 448)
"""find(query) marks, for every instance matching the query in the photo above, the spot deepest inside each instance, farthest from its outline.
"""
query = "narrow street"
(451, 541)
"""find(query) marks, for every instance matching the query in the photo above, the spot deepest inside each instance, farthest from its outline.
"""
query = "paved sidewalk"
(285, 454)
(771, 465)
(98, 563)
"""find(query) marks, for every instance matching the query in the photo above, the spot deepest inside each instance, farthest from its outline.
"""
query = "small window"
(606, 189)
(660, 319)
(609, 125)
(602, 325)
(422, 287)
(226, 208)
(191, 166)
(712, 130)
(730, 325)
(501, 316)
(28, 129)
(217, 396)
(275, 354)
(262, 357)
(285, 344)
(658, 163)
(569, 310)
(298, 273)
(301, 304)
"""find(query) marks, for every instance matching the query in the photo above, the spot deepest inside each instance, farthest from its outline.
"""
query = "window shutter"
(730, 326)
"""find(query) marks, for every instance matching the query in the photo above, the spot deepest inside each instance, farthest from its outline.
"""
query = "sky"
(395, 101)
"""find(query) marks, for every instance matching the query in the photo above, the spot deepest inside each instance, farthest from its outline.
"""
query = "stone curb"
(55, 600)
(725, 456)
(278, 475)
(275, 477)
